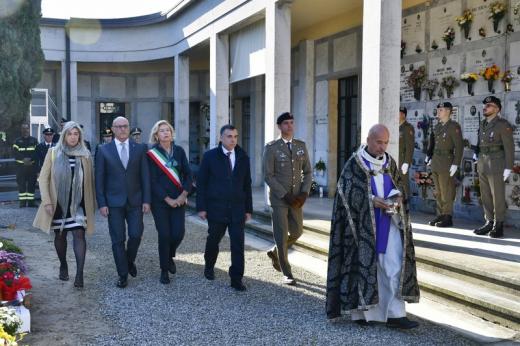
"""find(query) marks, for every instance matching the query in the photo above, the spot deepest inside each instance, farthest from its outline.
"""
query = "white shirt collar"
(287, 141)
(118, 142)
(228, 151)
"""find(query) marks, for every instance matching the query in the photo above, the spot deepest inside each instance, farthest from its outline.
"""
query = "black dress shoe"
(165, 278)
(274, 260)
(238, 285)
(363, 323)
(497, 231)
(434, 221)
(401, 323)
(446, 221)
(64, 273)
(172, 268)
(78, 282)
(122, 282)
(485, 229)
(209, 273)
(132, 270)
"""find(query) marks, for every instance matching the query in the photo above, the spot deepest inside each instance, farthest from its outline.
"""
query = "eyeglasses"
(121, 127)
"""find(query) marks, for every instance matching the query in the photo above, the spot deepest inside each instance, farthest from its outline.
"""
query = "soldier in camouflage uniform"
(444, 156)
(495, 161)
(406, 147)
(287, 171)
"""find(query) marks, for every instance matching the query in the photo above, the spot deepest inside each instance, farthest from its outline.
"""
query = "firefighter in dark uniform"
(494, 165)
(24, 148)
(444, 156)
(406, 146)
(44, 146)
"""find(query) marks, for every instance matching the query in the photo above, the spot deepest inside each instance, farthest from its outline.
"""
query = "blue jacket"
(117, 186)
(226, 196)
(162, 186)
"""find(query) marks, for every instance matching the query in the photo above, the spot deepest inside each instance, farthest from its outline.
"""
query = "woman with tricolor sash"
(171, 181)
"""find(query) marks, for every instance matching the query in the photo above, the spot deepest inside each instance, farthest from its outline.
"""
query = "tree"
(21, 59)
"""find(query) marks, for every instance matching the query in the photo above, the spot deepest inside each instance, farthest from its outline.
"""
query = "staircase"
(43, 112)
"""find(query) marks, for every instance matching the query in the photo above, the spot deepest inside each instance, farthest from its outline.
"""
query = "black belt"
(490, 149)
(443, 152)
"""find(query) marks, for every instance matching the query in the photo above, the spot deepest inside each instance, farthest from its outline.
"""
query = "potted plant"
(464, 22)
(497, 11)
(491, 73)
(416, 81)
(470, 78)
(320, 167)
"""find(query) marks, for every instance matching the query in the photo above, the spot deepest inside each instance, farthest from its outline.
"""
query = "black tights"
(79, 245)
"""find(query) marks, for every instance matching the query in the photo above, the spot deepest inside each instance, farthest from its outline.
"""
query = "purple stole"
(383, 220)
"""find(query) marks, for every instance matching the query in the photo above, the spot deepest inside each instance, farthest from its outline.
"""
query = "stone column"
(381, 68)
(74, 91)
(277, 69)
(257, 129)
(219, 86)
(181, 99)
(278, 65)
(304, 102)
(63, 90)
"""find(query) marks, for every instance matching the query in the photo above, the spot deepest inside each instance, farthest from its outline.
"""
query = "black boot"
(434, 221)
(446, 221)
(23, 204)
(485, 229)
(497, 231)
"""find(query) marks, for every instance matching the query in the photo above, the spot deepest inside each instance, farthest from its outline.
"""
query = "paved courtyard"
(191, 310)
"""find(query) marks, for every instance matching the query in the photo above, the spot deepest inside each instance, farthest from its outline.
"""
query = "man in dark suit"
(224, 198)
(44, 146)
(123, 194)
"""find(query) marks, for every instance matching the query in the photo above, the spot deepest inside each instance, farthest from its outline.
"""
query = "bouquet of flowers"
(464, 22)
(423, 180)
(430, 86)
(449, 37)
(416, 81)
(12, 281)
(9, 320)
(15, 259)
(507, 77)
(470, 78)
(497, 11)
(6, 339)
(491, 73)
(449, 83)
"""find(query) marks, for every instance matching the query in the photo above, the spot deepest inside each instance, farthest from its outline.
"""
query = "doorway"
(108, 111)
(348, 120)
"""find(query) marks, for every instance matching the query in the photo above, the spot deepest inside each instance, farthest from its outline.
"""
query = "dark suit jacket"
(115, 186)
(224, 195)
(162, 186)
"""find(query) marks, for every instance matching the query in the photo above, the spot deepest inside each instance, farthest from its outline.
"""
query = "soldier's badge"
(492, 135)
(282, 155)
(300, 152)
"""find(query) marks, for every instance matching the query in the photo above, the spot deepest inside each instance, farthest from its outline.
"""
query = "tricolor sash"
(165, 165)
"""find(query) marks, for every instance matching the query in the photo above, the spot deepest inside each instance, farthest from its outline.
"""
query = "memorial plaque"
(514, 18)
(514, 64)
(441, 18)
(480, 10)
(440, 67)
(406, 92)
(471, 120)
(512, 114)
(414, 117)
(478, 60)
(413, 33)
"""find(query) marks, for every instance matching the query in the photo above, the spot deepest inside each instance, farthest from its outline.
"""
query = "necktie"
(289, 146)
(229, 161)
(124, 155)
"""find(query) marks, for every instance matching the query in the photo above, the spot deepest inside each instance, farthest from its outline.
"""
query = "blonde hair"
(154, 138)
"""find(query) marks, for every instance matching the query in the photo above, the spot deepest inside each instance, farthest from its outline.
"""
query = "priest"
(371, 268)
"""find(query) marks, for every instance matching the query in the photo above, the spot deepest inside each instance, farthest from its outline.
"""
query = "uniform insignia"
(492, 135)
(300, 152)
(444, 135)
(282, 155)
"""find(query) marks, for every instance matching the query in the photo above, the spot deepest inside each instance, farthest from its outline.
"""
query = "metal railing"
(43, 112)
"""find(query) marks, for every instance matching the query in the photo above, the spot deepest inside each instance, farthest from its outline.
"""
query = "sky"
(103, 8)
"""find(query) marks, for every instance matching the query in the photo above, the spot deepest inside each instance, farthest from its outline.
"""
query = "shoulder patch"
(271, 143)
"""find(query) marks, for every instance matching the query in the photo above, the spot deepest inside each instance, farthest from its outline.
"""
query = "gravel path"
(191, 310)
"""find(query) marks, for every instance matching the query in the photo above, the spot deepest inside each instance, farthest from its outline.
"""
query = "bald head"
(121, 128)
(377, 141)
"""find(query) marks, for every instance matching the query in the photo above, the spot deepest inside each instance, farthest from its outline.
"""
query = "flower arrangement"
(430, 86)
(464, 22)
(416, 81)
(7, 339)
(470, 78)
(15, 259)
(320, 166)
(491, 73)
(9, 320)
(515, 195)
(12, 281)
(507, 77)
(497, 11)
(449, 37)
(449, 83)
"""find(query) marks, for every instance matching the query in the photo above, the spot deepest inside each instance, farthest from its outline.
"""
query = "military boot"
(434, 221)
(497, 231)
(485, 229)
(446, 221)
